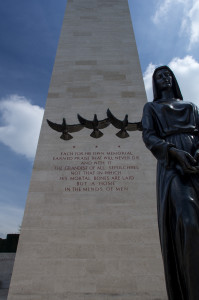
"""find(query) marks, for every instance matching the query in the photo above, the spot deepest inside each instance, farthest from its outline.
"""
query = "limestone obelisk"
(90, 228)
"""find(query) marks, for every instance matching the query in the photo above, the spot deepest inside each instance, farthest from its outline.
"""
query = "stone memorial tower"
(90, 227)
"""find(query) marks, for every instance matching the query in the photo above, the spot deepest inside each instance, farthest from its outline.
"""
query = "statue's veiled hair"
(175, 86)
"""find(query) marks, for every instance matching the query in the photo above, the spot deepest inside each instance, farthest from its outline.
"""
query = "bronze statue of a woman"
(171, 133)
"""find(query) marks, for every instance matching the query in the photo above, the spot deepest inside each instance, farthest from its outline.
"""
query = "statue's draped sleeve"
(158, 146)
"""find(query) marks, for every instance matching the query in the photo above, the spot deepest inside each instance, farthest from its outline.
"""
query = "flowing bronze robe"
(175, 124)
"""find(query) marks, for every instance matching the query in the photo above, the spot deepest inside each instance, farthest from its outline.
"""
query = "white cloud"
(21, 124)
(187, 11)
(187, 74)
(11, 219)
(162, 10)
(186, 71)
(193, 23)
(148, 81)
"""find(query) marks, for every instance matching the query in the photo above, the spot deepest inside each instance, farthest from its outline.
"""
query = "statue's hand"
(196, 156)
(185, 160)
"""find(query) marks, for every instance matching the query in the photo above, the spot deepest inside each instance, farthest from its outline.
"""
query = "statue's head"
(164, 79)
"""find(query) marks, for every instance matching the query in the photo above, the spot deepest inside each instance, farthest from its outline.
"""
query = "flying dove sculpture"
(124, 125)
(65, 129)
(95, 125)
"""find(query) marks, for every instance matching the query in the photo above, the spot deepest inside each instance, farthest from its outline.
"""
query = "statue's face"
(163, 79)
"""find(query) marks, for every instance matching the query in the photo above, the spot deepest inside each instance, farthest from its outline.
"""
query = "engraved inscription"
(96, 171)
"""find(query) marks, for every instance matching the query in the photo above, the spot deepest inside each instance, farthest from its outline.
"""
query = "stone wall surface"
(90, 226)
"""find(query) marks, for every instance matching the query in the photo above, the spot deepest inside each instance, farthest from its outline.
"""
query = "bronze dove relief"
(65, 129)
(95, 125)
(124, 125)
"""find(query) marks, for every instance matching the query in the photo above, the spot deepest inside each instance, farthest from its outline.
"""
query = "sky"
(166, 31)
